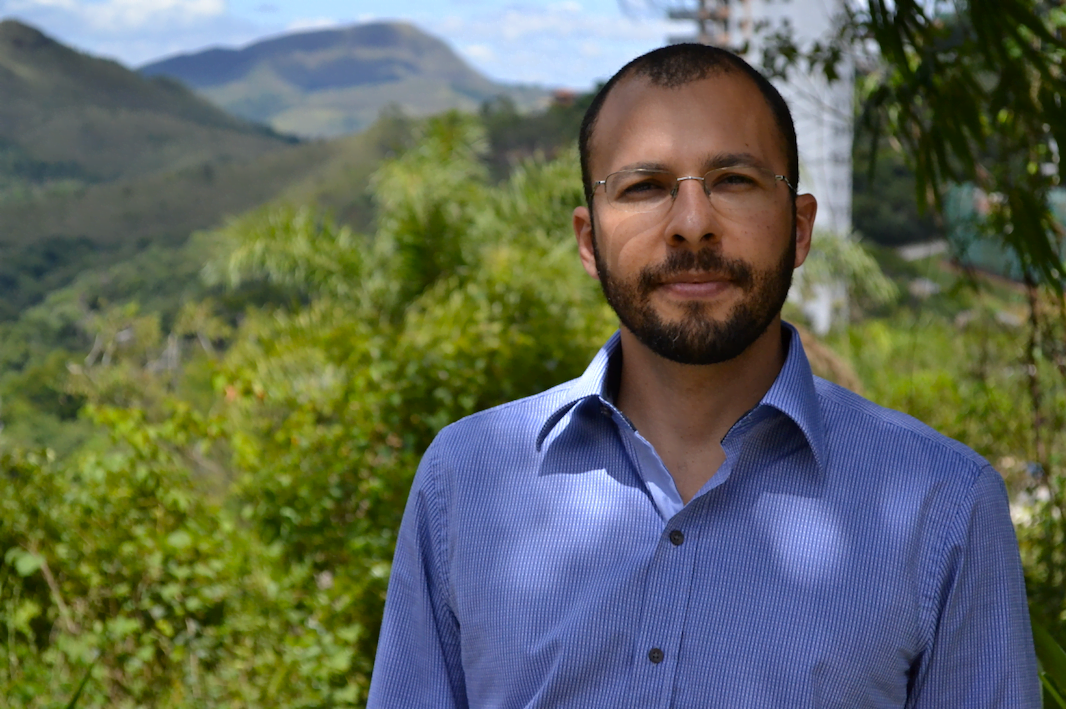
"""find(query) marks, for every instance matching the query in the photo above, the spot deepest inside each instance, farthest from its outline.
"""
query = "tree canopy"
(972, 91)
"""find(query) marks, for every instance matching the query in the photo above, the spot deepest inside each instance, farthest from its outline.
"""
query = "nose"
(691, 219)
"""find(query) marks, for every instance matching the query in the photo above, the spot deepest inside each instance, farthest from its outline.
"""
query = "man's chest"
(583, 596)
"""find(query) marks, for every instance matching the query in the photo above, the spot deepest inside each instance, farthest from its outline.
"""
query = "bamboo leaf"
(1051, 655)
(81, 687)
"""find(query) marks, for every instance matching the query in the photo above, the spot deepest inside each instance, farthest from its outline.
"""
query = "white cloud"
(481, 52)
(118, 15)
(571, 7)
(558, 44)
(303, 24)
(24, 5)
(137, 31)
(590, 49)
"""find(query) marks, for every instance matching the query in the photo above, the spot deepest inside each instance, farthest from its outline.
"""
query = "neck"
(685, 411)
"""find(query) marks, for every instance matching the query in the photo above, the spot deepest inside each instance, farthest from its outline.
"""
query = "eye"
(635, 187)
(644, 186)
(733, 180)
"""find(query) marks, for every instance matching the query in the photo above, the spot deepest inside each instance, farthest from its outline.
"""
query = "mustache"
(702, 261)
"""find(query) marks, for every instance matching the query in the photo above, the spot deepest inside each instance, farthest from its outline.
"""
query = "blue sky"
(556, 43)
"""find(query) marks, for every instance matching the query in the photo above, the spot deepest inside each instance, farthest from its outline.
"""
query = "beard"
(698, 338)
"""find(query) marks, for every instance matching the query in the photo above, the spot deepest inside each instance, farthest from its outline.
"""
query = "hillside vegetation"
(68, 115)
(332, 82)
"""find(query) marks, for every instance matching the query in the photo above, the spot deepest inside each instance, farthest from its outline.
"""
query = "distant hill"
(98, 162)
(50, 240)
(332, 82)
(68, 116)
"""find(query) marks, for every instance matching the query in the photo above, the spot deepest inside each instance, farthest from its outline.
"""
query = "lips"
(683, 278)
(695, 289)
(706, 269)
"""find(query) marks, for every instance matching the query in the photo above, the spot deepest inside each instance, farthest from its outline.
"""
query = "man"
(697, 521)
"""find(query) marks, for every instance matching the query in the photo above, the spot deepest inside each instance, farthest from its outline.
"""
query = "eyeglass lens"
(731, 190)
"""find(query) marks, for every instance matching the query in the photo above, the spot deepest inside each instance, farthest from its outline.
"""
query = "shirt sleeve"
(418, 657)
(981, 653)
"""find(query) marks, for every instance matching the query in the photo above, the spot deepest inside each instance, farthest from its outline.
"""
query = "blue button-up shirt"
(843, 556)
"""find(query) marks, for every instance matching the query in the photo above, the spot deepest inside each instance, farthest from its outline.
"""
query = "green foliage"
(515, 136)
(225, 537)
(1052, 667)
(58, 234)
(118, 566)
(30, 272)
(971, 93)
(834, 258)
(883, 208)
(111, 557)
(129, 240)
(953, 377)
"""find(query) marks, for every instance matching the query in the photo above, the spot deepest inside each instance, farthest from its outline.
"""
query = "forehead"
(684, 127)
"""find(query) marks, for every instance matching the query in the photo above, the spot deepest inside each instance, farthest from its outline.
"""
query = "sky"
(558, 43)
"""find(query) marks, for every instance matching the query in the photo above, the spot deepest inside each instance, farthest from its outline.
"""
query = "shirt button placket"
(666, 601)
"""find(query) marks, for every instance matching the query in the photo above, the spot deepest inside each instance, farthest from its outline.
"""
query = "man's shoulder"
(860, 429)
(518, 421)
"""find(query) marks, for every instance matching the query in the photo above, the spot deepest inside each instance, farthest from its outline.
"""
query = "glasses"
(735, 191)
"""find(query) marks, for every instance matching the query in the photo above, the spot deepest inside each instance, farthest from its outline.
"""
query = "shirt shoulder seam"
(439, 521)
(531, 400)
(939, 559)
(835, 395)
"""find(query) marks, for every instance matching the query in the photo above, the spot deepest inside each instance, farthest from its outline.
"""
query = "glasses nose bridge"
(678, 181)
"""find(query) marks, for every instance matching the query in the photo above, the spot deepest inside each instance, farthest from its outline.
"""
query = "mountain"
(68, 116)
(331, 82)
(98, 162)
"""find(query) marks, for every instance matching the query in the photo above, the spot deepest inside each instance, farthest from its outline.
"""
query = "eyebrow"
(644, 166)
(711, 162)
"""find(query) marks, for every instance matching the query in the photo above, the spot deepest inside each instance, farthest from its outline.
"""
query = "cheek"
(760, 241)
(628, 241)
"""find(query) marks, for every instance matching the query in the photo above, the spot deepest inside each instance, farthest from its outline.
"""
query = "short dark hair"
(679, 64)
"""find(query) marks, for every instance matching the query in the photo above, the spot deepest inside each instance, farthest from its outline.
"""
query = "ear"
(806, 209)
(583, 233)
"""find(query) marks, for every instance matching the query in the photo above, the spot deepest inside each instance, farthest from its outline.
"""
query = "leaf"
(1052, 657)
(27, 563)
(81, 687)
(1050, 689)
(179, 539)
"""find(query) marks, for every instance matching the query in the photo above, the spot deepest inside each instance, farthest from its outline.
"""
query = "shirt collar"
(792, 393)
(592, 384)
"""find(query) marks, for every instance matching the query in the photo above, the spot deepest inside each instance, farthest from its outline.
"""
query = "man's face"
(692, 284)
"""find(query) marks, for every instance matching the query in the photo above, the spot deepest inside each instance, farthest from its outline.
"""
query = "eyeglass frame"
(679, 180)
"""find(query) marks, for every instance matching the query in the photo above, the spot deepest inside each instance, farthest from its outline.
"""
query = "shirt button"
(605, 410)
(677, 537)
(655, 655)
